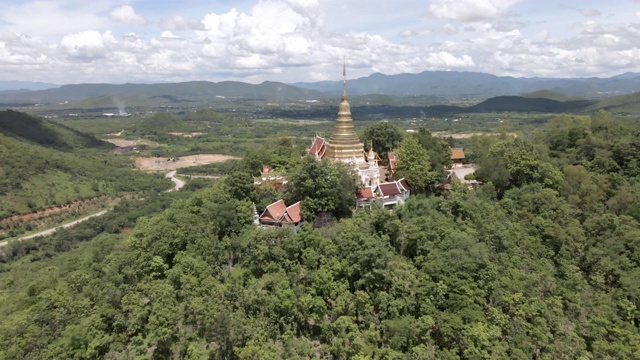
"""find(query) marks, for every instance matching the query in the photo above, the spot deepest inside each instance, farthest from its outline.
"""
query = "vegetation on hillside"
(540, 264)
(46, 133)
(43, 164)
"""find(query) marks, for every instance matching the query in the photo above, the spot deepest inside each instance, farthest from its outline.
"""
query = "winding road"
(179, 183)
(171, 175)
(52, 230)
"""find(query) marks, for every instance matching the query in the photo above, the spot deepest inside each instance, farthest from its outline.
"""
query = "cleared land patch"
(186, 135)
(163, 163)
(124, 142)
(468, 135)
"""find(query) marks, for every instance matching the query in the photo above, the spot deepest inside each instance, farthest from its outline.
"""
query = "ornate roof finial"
(344, 79)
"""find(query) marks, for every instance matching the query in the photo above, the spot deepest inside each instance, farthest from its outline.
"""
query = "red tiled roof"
(318, 147)
(389, 189)
(366, 193)
(392, 161)
(274, 212)
(322, 151)
(457, 154)
(278, 213)
(405, 184)
(293, 213)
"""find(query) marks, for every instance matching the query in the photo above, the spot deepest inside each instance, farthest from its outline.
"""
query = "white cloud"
(126, 14)
(168, 34)
(507, 26)
(449, 61)
(590, 12)
(177, 22)
(86, 45)
(470, 10)
(290, 39)
(50, 18)
(449, 29)
(407, 33)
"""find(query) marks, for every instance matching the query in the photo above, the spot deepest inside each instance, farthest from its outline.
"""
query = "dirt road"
(170, 175)
(52, 230)
(179, 183)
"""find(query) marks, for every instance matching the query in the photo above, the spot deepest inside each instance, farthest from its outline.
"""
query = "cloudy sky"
(117, 41)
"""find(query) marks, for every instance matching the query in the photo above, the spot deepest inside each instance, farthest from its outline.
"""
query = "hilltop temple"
(345, 146)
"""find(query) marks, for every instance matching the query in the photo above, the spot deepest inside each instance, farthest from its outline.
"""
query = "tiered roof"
(403, 183)
(389, 189)
(278, 213)
(318, 148)
(293, 213)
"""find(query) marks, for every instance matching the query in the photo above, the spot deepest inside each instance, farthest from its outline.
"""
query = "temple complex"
(345, 146)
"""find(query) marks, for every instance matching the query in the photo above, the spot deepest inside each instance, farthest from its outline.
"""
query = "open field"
(125, 142)
(186, 135)
(291, 121)
(468, 135)
(162, 163)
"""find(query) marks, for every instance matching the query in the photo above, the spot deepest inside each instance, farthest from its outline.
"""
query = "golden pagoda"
(344, 145)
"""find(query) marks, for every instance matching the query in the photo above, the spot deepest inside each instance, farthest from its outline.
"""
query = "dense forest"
(540, 262)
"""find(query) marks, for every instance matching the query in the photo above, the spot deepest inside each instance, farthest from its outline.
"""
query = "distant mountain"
(627, 104)
(425, 88)
(184, 91)
(24, 85)
(548, 94)
(523, 104)
(479, 85)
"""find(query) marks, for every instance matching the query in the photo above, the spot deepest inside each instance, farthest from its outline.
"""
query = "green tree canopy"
(385, 138)
(414, 165)
(515, 162)
(438, 149)
(322, 186)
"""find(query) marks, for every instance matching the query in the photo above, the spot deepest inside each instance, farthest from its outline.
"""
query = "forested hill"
(526, 104)
(539, 263)
(46, 133)
(44, 164)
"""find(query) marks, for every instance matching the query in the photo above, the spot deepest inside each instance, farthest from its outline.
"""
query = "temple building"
(457, 157)
(345, 146)
(279, 214)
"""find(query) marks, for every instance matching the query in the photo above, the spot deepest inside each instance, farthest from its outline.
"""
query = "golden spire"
(344, 142)
(344, 80)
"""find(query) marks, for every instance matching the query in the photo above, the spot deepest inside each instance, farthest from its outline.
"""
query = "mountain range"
(182, 91)
(478, 85)
(616, 93)
(24, 85)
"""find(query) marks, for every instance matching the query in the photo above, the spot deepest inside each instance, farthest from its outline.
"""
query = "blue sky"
(117, 41)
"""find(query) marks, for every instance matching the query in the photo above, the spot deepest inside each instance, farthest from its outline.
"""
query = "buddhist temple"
(345, 145)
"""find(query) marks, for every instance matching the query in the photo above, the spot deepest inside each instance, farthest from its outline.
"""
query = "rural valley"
(305, 179)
